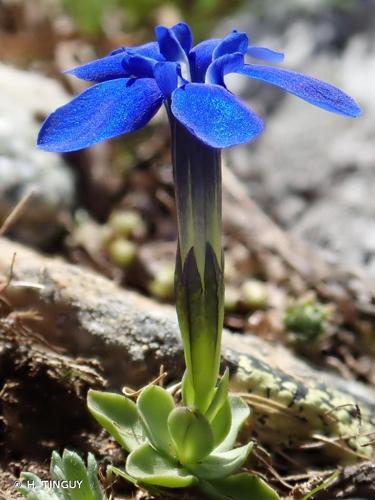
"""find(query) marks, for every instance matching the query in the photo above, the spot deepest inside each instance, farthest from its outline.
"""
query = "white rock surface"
(313, 171)
(25, 98)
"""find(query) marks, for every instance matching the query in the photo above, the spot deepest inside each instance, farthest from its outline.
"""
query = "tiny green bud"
(254, 294)
(122, 252)
(191, 434)
(127, 223)
(162, 284)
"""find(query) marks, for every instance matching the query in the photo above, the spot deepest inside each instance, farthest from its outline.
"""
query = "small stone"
(254, 294)
(122, 252)
(161, 286)
(127, 223)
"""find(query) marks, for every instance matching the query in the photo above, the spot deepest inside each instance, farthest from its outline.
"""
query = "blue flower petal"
(150, 49)
(184, 35)
(101, 112)
(310, 89)
(214, 115)
(200, 58)
(166, 76)
(204, 53)
(223, 65)
(139, 66)
(100, 70)
(169, 45)
(234, 42)
(265, 54)
(111, 66)
(119, 50)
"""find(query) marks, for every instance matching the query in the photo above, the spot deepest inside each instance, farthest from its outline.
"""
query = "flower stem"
(199, 280)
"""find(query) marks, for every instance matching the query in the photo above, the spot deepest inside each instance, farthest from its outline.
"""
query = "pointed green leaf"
(220, 396)
(200, 312)
(75, 470)
(148, 466)
(118, 415)
(187, 390)
(92, 471)
(57, 472)
(32, 478)
(111, 469)
(322, 486)
(56, 461)
(239, 487)
(154, 405)
(240, 412)
(38, 492)
(220, 465)
(221, 424)
(152, 489)
(191, 434)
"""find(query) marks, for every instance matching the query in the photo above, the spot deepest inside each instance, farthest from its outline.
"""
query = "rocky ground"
(65, 329)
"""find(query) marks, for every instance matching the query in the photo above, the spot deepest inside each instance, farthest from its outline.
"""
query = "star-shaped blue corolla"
(132, 84)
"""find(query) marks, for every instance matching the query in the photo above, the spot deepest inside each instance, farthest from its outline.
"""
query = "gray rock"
(313, 171)
(25, 98)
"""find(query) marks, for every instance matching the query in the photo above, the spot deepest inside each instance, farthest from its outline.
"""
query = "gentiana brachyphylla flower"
(134, 82)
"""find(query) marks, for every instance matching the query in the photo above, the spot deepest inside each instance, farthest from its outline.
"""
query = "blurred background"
(112, 208)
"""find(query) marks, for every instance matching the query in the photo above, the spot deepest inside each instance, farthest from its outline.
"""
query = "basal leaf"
(240, 411)
(154, 405)
(75, 470)
(239, 487)
(191, 434)
(148, 466)
(118, 415)
(220, 465)
(221, 423)
(220, 396)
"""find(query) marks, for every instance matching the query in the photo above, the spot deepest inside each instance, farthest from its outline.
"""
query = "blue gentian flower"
(132, 84)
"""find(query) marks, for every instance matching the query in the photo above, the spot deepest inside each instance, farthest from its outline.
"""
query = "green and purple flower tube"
(199, 277)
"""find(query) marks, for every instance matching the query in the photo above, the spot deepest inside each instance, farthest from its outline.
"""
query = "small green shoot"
(321, 486)
(305, 321)
(71, 479)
